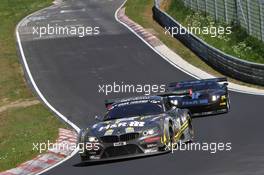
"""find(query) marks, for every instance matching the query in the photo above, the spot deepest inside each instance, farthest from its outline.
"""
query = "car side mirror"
(98, 118)
(225, 84)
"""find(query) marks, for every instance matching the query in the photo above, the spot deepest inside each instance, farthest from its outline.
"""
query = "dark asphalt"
(68, 71)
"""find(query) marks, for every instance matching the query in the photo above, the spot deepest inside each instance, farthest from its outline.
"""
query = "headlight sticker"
(130, 130)
(109, 132)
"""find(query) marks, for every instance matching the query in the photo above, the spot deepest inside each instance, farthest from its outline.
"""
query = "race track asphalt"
(68, 70)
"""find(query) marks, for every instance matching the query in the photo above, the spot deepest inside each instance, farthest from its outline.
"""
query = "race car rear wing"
(181, 84)
(176, 93)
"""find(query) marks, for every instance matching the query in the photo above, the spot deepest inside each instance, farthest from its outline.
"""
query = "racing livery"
(135, 127)
(201, 97)
(147, 125)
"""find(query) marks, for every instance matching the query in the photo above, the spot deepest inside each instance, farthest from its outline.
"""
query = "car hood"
(126, 125)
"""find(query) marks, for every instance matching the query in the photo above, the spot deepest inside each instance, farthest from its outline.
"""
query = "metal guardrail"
(224, 63)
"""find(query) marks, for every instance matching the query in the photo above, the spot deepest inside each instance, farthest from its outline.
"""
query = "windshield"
(137, 109)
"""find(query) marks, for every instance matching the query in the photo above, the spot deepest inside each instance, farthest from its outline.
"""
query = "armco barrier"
(226, 64)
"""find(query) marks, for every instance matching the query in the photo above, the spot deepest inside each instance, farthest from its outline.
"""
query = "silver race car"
(134, 127)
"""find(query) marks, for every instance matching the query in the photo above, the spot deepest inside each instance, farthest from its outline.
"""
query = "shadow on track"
(209, 115)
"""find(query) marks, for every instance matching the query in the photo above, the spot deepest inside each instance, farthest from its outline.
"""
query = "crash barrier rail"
(224, 63)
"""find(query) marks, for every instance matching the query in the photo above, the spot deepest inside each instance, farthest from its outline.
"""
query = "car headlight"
(174, 102)
(215, 97)
(150, 132)
(92, 139)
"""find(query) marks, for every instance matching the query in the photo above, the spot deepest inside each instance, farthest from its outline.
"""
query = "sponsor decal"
(223, 104)
(151, 145)
(120, 143)
(124, 119)
(195, 102)
(136, 102)
(153, 150)
(223, 97)
(123, 124)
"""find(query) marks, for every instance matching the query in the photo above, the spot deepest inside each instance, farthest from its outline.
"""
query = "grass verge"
(19, 126)
(140, 11)
(19, 129)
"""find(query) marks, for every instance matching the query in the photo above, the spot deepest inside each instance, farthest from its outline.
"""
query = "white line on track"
(75, 127)
(70, 20)
(35, 85)
(56, 21)
(71, 11)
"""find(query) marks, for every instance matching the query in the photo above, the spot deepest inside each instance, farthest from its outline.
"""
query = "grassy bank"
(141, 12)
(238, 43)
(20, 126)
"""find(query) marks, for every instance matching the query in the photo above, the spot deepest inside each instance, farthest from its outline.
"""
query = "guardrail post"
(240, 8)
(249, 17)
(205, 7)
(226, 13)
(261, 20)
(215, 7)
(237, 12)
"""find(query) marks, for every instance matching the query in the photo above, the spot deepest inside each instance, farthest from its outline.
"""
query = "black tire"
(84, 158)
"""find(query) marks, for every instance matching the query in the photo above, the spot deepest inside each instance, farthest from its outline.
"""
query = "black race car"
(135, 127)
(201, 97)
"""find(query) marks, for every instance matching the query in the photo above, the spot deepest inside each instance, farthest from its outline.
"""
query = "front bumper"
(124, 157)
(218, 107)
(133, 148)
(213, 112)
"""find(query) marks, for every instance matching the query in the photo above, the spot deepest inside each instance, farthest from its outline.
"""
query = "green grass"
(19, 127)
(140, 11)
(12, 86)
(238, 43)
(19, 130)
